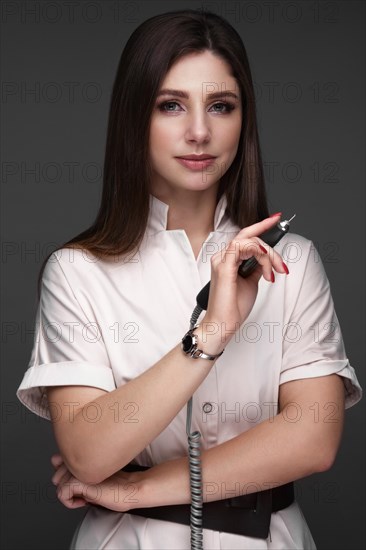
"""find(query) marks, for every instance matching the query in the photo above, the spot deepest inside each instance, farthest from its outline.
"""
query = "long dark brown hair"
(149, 53)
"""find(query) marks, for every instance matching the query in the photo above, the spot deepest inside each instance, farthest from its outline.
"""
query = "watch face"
(187, 343)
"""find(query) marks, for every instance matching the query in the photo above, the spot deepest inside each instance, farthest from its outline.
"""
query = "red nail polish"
(263, 249)
(272, 277)
(276, 214)
(285, 268)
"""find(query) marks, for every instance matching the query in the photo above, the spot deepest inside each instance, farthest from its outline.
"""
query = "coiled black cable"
(195, 470)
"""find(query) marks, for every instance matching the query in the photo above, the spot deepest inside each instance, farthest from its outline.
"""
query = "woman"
(108, 366)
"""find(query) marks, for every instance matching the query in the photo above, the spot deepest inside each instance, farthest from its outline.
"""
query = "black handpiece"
(271, 237)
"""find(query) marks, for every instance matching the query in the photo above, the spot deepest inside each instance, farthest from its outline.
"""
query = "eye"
(162, 106)
(228, 107)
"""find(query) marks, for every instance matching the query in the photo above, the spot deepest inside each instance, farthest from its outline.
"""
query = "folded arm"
(301, 440)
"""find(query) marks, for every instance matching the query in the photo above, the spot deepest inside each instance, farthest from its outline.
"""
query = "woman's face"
(194, 125)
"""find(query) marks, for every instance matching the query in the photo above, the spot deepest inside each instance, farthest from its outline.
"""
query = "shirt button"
(207, 407)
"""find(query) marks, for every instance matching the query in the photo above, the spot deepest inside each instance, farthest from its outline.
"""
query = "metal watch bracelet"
(190, 347)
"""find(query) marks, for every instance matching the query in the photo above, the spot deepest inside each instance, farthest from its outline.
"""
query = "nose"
(198, 126)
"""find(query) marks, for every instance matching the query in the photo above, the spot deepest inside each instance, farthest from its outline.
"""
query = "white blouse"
(102, 323)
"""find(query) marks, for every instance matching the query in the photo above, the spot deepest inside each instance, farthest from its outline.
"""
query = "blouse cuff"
(352, 388)
(31, 391)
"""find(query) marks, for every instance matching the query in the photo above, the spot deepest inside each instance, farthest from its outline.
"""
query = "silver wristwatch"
(189, 346)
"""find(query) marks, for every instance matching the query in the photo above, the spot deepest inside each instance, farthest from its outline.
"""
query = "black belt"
(248, 515)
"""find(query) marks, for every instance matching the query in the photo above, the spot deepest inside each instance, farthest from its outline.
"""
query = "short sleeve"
(68, 347)
(312, 338)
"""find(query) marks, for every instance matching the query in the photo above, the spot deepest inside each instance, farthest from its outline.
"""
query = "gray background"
(308, 62)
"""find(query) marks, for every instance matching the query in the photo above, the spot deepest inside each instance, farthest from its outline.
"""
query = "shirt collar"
(158, 215)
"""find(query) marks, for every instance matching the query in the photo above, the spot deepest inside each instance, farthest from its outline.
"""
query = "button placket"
(209, 408)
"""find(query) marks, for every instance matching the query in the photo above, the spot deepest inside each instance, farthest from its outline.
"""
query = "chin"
(191, 182)
(200, 187)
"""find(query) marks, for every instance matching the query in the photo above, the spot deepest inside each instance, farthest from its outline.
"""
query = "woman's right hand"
(232, 297)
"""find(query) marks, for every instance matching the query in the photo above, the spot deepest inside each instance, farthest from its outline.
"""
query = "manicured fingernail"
(285, 268)
(272, 277)
(276, 214)
(263, 249)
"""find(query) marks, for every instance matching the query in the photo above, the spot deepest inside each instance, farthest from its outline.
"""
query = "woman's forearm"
(274, 452)
(261, 458)
(265, 456)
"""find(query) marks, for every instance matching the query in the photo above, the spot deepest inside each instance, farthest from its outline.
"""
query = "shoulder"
(295, 248)
(295, 240)
(69, 266)
(304, 262)
(70, 258)
(80, 268)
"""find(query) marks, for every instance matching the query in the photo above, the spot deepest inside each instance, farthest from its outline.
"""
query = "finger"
(239, 250)
(266, 256)
(58, 476)
(243, 249)
(73, 502)
(56, 460)
(276, 259)
(249, 249)
(64, 494)
(70, 494)
(260, 227)
(229, 259)
(78, 503)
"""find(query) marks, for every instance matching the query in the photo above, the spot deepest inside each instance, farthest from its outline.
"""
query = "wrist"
(163, 484)
(210, 337)
(191, 345)
(136, 488)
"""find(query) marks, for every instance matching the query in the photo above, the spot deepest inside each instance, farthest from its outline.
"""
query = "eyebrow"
(185, 95)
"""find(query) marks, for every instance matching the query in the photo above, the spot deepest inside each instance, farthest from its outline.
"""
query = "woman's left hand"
(118, 492)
